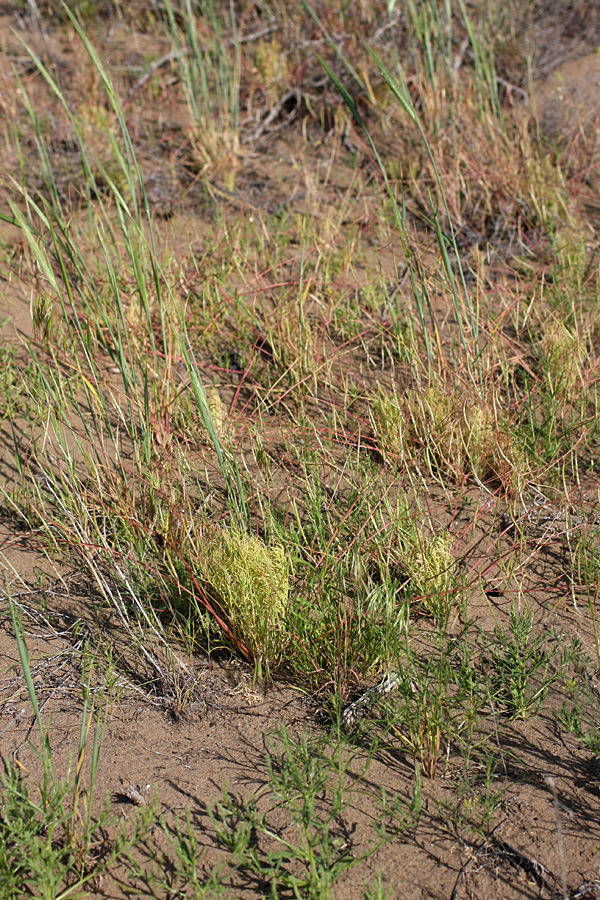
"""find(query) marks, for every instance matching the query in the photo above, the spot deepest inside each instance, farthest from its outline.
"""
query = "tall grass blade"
(25, 664)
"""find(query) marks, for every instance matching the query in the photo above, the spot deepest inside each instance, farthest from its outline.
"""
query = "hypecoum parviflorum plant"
(250, 582)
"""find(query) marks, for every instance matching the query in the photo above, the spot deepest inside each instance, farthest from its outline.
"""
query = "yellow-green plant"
(429, 565)
(250, 582)
(209, 67)
(564, 353)
(272, 68)
(457, 434)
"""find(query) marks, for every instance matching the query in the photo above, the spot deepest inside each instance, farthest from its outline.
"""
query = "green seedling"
(310, 787)
(473, 808)
(524, 665)
(580, 711)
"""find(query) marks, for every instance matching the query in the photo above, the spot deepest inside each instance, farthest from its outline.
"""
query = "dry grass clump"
(250, 582)
(209, 66)
(457, 435)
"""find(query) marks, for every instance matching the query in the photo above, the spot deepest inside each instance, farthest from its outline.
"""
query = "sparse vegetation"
(302, 388)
